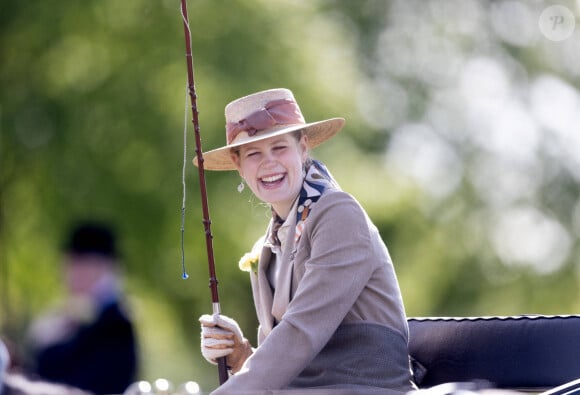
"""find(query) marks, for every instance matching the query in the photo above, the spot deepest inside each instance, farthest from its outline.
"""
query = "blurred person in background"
(88, 343)
(328, 302)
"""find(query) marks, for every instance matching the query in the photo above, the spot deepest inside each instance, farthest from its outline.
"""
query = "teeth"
(272, 178)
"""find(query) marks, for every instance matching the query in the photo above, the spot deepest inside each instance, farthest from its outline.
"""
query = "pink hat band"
(275, 112)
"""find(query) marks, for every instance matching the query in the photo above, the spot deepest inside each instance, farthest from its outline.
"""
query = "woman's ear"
(236, 161)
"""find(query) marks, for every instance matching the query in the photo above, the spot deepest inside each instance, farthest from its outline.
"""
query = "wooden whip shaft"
(213, 282)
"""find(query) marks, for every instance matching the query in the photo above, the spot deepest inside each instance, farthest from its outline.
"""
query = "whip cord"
(184, 274)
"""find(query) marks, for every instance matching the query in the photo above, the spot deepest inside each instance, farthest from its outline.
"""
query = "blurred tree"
(475, 105)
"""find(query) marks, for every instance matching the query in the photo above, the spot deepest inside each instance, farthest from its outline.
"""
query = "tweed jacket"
(336, 289)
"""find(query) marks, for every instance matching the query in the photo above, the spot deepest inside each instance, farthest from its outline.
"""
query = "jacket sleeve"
(335, 272)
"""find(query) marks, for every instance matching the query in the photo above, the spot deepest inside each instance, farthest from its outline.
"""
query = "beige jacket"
(339, 275)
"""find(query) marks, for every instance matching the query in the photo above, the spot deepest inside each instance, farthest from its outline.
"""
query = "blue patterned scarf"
(317, 179)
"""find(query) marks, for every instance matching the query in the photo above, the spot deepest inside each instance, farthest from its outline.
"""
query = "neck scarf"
(316, 181)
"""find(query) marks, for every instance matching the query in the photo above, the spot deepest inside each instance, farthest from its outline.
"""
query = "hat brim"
(317, 132)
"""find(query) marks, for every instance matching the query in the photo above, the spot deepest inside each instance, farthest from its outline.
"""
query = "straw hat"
(262, 115)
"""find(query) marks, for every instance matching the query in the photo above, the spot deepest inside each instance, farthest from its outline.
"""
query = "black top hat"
(92, 238)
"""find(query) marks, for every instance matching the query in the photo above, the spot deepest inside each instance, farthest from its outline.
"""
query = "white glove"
(221, 336)
(217, 332)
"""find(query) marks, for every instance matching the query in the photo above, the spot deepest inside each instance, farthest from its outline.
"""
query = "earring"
(241, 186)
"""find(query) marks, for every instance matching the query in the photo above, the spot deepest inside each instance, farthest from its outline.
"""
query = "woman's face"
(273, 169)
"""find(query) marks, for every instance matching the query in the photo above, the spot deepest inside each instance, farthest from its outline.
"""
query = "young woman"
(325, 290)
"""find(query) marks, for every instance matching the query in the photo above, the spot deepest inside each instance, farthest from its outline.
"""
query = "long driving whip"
(213, 282)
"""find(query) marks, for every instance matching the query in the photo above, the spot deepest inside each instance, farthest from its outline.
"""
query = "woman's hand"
(222, 337)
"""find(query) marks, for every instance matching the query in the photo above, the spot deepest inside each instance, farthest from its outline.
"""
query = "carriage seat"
(523, 353)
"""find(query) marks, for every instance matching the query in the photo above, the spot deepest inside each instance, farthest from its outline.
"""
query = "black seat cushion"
(517, 352)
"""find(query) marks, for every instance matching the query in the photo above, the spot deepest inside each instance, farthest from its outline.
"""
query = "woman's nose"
(268, 159)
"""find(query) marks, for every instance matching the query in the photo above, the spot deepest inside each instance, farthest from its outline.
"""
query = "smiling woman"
(318, 237)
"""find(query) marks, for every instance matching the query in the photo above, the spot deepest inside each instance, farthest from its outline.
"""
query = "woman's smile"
(272, 181)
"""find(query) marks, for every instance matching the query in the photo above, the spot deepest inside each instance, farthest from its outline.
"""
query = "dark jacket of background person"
(90, 343)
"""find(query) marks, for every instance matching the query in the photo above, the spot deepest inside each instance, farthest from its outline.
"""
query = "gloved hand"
(222, 337)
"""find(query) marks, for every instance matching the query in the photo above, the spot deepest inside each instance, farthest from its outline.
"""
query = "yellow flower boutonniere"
(249, 261)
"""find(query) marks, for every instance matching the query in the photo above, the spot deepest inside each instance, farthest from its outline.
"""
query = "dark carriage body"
(523, 353)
